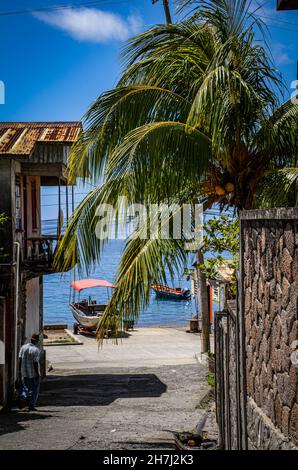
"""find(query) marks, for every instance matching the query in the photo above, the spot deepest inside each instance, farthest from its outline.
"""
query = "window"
(18, 204)
(34, 205)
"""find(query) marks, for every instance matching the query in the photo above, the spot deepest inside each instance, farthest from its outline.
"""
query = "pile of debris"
(197, 440)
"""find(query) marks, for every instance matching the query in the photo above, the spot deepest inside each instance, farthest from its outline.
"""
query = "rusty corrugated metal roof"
(20, 138)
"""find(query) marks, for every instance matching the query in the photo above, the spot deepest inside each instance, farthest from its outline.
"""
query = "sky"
(54, 64)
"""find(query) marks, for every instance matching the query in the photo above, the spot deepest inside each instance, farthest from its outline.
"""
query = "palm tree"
(195, 117)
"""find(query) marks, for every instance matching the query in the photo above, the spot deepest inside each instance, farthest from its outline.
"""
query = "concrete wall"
(15, 331)
(8, 169)
(269, 261)
(23, 308)
(7, 185)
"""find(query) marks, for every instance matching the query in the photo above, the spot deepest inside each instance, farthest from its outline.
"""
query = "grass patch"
(60, 340)
(58, 337)
(211, 379)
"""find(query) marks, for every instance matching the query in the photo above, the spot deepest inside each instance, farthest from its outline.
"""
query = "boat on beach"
(171, 293)
(87, 312)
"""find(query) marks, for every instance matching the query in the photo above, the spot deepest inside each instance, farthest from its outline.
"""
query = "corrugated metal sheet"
(20, 138)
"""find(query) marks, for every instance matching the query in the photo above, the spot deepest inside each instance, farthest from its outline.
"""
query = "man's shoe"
(32, 408)
(22, 403)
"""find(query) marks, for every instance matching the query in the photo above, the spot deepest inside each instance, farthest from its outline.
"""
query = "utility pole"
(203, 304)
(166, 9)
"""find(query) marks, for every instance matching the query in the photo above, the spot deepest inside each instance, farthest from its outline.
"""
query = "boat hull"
(89, 322)
(165, 292)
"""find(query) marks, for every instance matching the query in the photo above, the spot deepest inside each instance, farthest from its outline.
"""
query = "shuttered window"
(18, 204)
(34, 205)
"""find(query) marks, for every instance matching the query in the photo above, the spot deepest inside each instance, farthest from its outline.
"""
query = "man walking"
(29, 370)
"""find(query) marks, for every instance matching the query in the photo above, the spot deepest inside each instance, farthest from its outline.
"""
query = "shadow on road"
(11, 421)
(82, 390)
(98, 389)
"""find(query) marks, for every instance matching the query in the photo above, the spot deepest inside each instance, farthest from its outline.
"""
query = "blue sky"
(54, 65)
(51, 75)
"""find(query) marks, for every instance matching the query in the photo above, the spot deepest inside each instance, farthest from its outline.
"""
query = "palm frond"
(149, 162)
(272, 195)
(110, 118)
(145, 261)
(195, 114)
(229, 17)
(277, 138)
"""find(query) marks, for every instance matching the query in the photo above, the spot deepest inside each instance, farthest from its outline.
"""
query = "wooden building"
(32, 155)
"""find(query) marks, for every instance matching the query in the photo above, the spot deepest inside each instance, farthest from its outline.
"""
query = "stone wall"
(269, 261)
(262, 434)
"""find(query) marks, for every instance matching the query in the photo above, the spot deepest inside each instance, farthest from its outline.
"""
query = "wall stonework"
(262, 434)
(269, 301)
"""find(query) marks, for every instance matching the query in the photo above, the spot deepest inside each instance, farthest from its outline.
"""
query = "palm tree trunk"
(203, 303)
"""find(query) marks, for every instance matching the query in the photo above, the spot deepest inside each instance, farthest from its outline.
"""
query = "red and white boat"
(87, 312)
(171, 293)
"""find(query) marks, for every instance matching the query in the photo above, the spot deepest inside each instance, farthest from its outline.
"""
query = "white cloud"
(92, 25)
(280, 55)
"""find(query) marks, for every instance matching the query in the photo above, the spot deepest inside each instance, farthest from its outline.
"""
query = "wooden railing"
(40, 252)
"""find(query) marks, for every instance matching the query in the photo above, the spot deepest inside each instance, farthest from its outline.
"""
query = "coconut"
(229, 187)
(219, 191)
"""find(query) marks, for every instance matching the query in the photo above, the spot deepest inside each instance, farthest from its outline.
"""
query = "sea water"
(57, 294)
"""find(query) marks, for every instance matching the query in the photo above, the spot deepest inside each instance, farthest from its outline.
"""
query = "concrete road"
(122, 406)
(143, 347)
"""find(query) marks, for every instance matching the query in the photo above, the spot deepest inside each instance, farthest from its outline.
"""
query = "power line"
(114, 2)
(277, 20)
(62, 7)
(64, 194)
(283, 29)
(57, 205)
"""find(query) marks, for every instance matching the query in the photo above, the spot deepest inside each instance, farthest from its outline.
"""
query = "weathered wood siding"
(50, 153)
(31, 232)
(32, 305)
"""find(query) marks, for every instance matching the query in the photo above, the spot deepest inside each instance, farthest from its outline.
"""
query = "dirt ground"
(128, 408)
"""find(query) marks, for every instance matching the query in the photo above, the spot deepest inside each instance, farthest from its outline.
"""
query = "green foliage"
(3, 218)
(195, 115)
(272, 195)
(221, 235)
(3, 255)
(211, 379)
